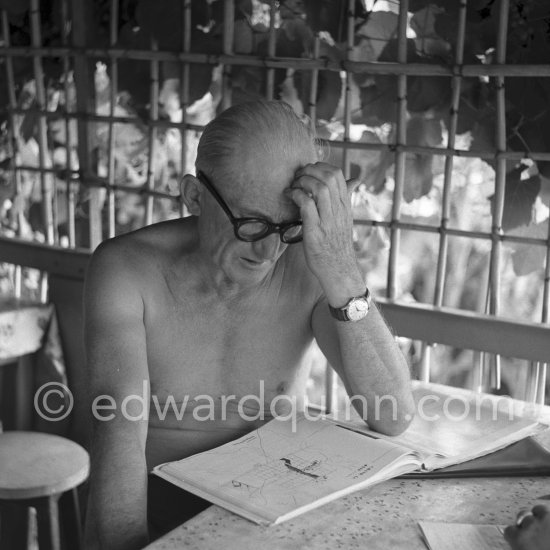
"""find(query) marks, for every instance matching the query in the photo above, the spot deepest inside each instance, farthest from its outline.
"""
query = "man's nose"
(268, 247)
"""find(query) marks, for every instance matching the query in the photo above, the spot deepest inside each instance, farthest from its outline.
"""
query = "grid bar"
(13, 139)
(448, 170)
(360, 67)
(152, 136)
(96, 181)
(400, 139)
(113, 37)
(463, 153)
(85, 103)
(271, 51)
(47, 184)
(228, 32)
(500, 183)
(442, 256)
(347, 86)
(70, 199)
(312, 107)
(422, 150)
(451, 231)
(184, 93)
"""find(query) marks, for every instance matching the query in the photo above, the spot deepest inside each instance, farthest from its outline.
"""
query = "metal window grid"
(76, 54)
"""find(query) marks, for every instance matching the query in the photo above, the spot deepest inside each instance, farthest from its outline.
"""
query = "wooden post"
(350, 20)
(152, 136)
(400, 139)
(13, 142)
(228, 32)
(81, 16)
(113, 86)
(271, 51)
(500, 181)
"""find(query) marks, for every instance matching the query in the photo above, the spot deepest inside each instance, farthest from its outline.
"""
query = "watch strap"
(341, 314)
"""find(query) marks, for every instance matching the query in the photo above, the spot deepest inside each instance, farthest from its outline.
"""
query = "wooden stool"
(42, 471)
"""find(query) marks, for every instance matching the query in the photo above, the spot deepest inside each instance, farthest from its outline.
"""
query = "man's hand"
(532, 532)
(364, 353)
(322, 194)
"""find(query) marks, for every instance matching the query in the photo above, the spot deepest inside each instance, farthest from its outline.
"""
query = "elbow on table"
(393, 414)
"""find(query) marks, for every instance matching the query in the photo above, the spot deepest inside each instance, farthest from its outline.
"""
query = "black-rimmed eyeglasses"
(255, 229)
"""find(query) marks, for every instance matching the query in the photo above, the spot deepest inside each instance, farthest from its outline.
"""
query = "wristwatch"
(355, 310)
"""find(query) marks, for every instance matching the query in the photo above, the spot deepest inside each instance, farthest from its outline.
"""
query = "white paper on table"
(462, 536)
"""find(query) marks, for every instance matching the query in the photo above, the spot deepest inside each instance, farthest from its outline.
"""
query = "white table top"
(382, 517)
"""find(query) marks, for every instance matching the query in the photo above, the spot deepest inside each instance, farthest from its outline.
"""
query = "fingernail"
(522, 516)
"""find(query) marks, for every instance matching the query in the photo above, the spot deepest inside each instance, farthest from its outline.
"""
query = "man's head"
(269, 130)
(249, 154)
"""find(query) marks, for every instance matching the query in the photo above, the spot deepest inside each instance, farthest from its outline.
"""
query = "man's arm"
(116, 367)
(370, 364)
(364, 353)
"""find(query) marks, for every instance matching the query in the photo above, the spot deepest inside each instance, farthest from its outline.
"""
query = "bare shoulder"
(140, 253)
(124, 270)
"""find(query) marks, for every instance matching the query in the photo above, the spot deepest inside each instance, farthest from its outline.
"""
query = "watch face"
(358, 309)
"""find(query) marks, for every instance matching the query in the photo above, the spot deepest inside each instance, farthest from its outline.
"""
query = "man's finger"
(306, 204)
(511, 533)
(539, 511)
(526, 521)
(319, 192)
(352, 185)
(330, 175)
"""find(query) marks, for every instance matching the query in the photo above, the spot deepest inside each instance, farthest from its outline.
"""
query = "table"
(22, 329)
(379, 518)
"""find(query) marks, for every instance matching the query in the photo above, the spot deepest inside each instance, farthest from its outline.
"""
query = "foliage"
(144, 24)
(433, 23)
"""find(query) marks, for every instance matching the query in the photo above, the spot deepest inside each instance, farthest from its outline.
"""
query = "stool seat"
(34, 465)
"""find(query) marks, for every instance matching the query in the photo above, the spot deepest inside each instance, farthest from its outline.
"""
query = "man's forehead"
(263, 200)
(261, 168)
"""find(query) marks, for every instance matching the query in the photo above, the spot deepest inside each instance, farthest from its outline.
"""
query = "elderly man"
(227, 302)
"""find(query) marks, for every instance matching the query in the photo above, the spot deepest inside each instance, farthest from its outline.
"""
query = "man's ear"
(191, 190)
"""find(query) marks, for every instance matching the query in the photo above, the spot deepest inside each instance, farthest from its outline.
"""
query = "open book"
(288, 467)
(454, 425)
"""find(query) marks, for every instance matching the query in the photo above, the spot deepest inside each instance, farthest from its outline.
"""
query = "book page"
(458, 536)
(452, 424)
(457, 424)
(275, 471)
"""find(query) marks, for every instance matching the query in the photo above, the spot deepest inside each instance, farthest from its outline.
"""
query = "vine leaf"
(419, 175)
(427, 40)
(133, 75)
(371, 38)
(329, 84)
(424, 93)
(530, 100)
(527, 258)
(519, 198)
(164, 20)
(329, 15)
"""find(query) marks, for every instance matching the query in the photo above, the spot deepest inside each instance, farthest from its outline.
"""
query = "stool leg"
(13, 526)
(47, 519)
(23, 393)
(71, 526)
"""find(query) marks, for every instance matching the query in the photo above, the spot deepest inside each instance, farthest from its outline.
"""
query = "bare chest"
(198, 347)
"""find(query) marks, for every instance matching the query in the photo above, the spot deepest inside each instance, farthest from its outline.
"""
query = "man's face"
(258, 193)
